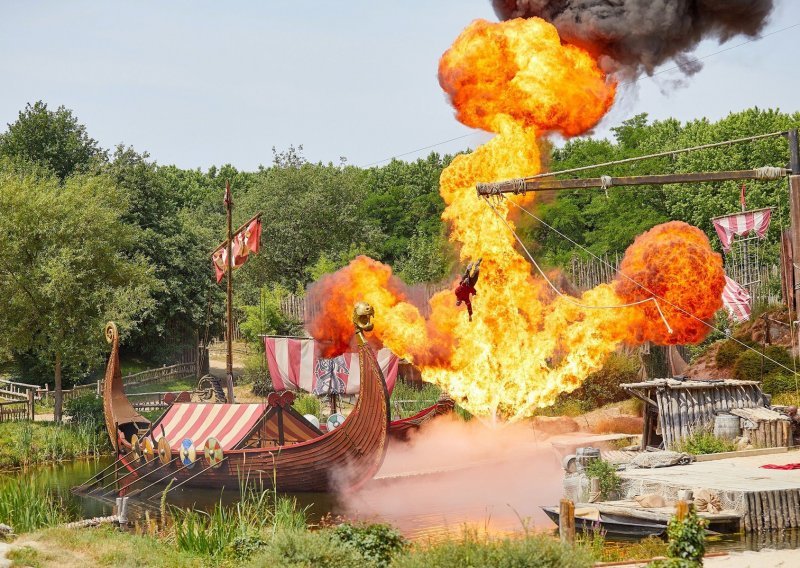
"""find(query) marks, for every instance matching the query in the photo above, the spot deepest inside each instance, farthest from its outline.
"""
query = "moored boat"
(218, 445)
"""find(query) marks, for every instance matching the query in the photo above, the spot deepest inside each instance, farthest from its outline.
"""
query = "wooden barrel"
(584, 456)
(726, 426)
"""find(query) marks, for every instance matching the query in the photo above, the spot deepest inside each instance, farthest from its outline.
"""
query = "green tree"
(53, 139)
(63, 268)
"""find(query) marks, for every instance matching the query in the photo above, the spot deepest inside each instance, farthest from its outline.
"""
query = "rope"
(566, 297)
(770, 172)
(658, 155)
(646, 289)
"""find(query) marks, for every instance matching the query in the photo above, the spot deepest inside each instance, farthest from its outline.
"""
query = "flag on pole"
(736, 300)
(245, 242)
(295, 363)
(741, 224)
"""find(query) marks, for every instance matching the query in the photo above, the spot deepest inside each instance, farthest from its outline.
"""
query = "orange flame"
(525, 344)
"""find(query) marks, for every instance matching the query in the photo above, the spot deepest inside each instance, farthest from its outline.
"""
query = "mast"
(229, 293)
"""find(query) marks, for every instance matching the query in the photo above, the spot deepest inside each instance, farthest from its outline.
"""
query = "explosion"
(526, 344)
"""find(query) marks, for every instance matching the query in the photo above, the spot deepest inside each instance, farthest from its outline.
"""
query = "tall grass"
(25, 443)
(407, 401)
(236, 531)
(26, 505)
(703, 441)
(308, 404)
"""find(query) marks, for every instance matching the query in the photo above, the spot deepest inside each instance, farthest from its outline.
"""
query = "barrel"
(584, 456)
(726, 426)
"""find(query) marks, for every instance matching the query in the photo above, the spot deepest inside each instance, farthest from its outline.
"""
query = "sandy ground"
(4, 549)
(762, 559)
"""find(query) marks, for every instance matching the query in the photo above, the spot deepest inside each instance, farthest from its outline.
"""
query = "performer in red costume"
(466, 288)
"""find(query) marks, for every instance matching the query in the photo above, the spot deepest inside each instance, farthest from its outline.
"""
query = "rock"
(6, 530)
(554, 425)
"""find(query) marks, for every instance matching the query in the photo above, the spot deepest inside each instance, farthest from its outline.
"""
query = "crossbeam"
(522, 185)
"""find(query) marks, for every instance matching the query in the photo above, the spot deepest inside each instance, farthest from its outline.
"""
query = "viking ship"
(219, 445)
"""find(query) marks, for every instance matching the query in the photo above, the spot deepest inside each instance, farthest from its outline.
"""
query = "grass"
(175, 385)
(26, 504)
(307, 403)
(786, 399)
(24, 444)
(702, 441)
(236, 531)
(407, 401)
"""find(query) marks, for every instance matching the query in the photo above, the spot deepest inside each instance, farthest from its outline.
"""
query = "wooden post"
(566, 521)
(794, 227)
(682, 510)
(229, 293)
(31, 406)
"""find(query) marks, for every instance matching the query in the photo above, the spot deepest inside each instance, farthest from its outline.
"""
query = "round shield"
(335, 420)
(136, 449)
(213, 452)
(188, 453)
(164, 451)
(148, 452)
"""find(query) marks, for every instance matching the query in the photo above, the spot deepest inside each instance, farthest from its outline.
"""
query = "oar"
(97, 476)
(137, 479)
(124, 476)
(192, 477)
(138, 491)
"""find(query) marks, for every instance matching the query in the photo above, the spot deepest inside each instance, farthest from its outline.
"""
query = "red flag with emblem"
(245, 242)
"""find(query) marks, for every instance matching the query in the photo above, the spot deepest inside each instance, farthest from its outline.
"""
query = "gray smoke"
(635, 36)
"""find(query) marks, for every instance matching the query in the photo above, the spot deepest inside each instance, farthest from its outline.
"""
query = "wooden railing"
(147, 401)
(161, 374)
(16, 410)
(15, 391)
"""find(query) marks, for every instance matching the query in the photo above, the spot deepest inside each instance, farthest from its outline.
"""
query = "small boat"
(613, 525)
(217, 445)
(401, 429)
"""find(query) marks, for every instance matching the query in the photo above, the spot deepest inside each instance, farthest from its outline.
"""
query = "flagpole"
(229, 293)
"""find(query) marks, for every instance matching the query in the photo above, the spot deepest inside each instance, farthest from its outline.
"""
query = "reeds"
(239, 530)
(26, 443)
(26, 505)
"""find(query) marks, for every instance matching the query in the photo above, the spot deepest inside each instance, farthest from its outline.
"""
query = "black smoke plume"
(631, 37)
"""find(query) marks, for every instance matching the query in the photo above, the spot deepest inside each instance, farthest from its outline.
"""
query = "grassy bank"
(30, 443)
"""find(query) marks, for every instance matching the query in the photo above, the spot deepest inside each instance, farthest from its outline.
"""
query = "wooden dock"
(764, 499)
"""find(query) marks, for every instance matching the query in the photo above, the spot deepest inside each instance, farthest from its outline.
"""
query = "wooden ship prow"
(218, 445)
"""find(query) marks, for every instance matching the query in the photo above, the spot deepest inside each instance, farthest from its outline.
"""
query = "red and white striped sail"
(228, 423)
(740, 224)
(736, 300)
(295, 363)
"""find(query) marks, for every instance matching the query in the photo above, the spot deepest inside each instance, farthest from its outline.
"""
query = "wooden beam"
(522, 185)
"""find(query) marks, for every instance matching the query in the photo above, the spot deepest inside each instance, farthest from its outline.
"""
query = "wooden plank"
(756, 497)
(794, 507)
(566, 521)
(773, 512)
(746, 518)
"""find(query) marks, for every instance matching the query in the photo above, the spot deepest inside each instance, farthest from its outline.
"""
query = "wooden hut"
(675, 408)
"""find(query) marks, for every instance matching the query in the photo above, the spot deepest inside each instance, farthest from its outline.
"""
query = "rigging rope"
(658, 155)
(567, 297)
(646, 289)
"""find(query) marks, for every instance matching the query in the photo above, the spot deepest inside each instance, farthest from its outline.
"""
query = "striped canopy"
(228, 423)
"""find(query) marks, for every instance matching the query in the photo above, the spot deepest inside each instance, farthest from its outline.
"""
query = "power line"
(421, 149)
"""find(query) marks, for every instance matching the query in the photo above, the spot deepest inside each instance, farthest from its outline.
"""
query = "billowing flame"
(525, 344)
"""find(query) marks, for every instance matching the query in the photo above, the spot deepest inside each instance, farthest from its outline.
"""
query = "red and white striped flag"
(736, 300)
(741, 224)
(295, 363)
(244, 243)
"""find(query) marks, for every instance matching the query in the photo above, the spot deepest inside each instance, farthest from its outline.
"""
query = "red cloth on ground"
(784, 466)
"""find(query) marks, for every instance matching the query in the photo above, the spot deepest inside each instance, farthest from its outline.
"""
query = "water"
(426, 514)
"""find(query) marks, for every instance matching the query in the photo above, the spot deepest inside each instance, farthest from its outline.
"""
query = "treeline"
(89, 234)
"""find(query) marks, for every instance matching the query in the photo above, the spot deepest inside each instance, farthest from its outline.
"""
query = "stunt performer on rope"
(466, 287)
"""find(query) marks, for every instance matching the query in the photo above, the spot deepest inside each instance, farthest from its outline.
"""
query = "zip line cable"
(625, 84)
(642, 286)
(567, 297)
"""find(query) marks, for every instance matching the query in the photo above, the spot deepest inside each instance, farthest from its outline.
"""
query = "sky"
(201, 83)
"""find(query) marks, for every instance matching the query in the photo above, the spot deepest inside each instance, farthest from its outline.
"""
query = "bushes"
(778, 382)
(533, 550)
(610, 482)
(298, 549)
(702, 441)
(86, 409)
(599, 388)
(25, 443)
(727, 353)
(752, 366)
(375, 543)
(687, 542)
(307, 404)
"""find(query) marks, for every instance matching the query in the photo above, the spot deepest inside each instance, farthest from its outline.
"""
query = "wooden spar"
(229, 294)
(522, 185)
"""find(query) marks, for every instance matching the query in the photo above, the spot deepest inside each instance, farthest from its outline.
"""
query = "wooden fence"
(305, 309)
(585, 273)
(161, 374)
(147, 401)
(15, 410)
(13, 391)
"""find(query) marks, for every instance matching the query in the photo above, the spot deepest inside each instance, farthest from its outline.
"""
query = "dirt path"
(766, 558)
